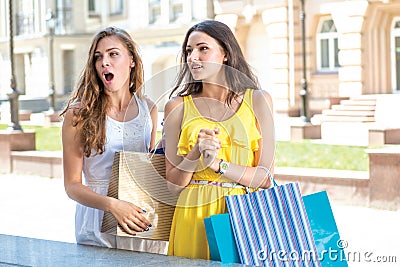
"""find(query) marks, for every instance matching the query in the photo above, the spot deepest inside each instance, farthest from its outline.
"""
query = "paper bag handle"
(269, 175)
(153, 152)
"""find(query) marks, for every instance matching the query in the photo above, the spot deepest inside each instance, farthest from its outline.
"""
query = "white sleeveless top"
(133, 135)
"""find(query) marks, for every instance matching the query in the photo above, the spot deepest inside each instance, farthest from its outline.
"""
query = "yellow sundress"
(239, 138)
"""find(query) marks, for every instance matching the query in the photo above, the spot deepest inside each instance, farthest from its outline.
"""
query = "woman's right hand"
(130, 217)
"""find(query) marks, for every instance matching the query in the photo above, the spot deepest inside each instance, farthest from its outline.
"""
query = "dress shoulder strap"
(188, 107)
(248, 97)
(142, 103)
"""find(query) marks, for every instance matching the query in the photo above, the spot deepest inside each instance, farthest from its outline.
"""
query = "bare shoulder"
(150, 104)
(262, 101)
(174, 103)
(69, 129)
(261, 98)
(70, 113)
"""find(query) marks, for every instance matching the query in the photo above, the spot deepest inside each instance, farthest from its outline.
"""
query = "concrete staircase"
(348, 122)
(356, 109)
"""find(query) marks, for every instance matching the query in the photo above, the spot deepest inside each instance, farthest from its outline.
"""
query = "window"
(93, 8)
(64, 17)
(24, 17)
(176, 10)
(115, 7)
(327, 46)
(154, 11)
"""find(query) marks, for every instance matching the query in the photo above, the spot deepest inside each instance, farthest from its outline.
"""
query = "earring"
(133, 65)
(225, 59)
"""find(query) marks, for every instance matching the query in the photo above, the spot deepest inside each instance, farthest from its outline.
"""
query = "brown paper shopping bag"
(139, 178)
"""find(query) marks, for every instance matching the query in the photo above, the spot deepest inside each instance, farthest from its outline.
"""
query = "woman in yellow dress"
(219, 134)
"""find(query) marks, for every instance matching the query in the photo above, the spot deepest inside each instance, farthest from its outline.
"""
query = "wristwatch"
(223, 167)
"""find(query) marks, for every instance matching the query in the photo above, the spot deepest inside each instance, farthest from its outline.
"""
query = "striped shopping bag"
(271, 228)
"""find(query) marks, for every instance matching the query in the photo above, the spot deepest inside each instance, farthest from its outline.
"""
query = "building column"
(165, 11)
(349, 18)
(276, 26)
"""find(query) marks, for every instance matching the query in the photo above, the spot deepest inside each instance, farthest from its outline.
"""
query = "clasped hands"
(209, 145)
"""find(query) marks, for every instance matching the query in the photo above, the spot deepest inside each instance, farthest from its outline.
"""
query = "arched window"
(327, 46)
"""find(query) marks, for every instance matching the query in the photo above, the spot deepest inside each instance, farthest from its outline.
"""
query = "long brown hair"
(90, 102)
(238, 73)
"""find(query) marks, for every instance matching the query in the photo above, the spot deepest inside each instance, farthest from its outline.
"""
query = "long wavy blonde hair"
(89, 101)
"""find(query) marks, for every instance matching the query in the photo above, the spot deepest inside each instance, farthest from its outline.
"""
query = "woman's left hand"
(130, 217)
(209, 145)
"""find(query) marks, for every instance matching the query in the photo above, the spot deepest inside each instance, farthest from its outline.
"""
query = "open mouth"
(196, 67)
(108, 76)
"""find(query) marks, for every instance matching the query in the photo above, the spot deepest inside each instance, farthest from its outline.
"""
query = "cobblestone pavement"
(37, 207)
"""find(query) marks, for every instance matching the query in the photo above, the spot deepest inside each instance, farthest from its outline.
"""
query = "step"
(365, 97)
(352, 102)
(324, 118)
(348, 107)
(351, 113)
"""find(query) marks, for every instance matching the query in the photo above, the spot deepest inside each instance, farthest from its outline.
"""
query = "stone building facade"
(351, 47)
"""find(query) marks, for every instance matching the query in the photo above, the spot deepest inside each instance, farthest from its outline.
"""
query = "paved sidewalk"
(37, 207)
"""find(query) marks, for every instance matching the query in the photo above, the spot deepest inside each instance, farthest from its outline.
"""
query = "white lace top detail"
(133, 135)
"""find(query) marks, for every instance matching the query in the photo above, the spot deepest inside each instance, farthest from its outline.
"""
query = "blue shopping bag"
(271, 228)
(324, 230)
(221, 241)
(322, 223)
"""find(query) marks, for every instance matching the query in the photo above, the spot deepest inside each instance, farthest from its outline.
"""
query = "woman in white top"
(107, 113)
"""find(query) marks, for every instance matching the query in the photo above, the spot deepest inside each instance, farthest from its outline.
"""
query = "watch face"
(224, 165)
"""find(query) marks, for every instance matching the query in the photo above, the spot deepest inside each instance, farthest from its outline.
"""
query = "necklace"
(212, 114)
(118, 113)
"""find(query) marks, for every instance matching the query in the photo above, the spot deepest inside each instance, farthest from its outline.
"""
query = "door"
(396, 56)
(397, 62)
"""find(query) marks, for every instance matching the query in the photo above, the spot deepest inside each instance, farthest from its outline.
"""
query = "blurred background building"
(352, 47)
